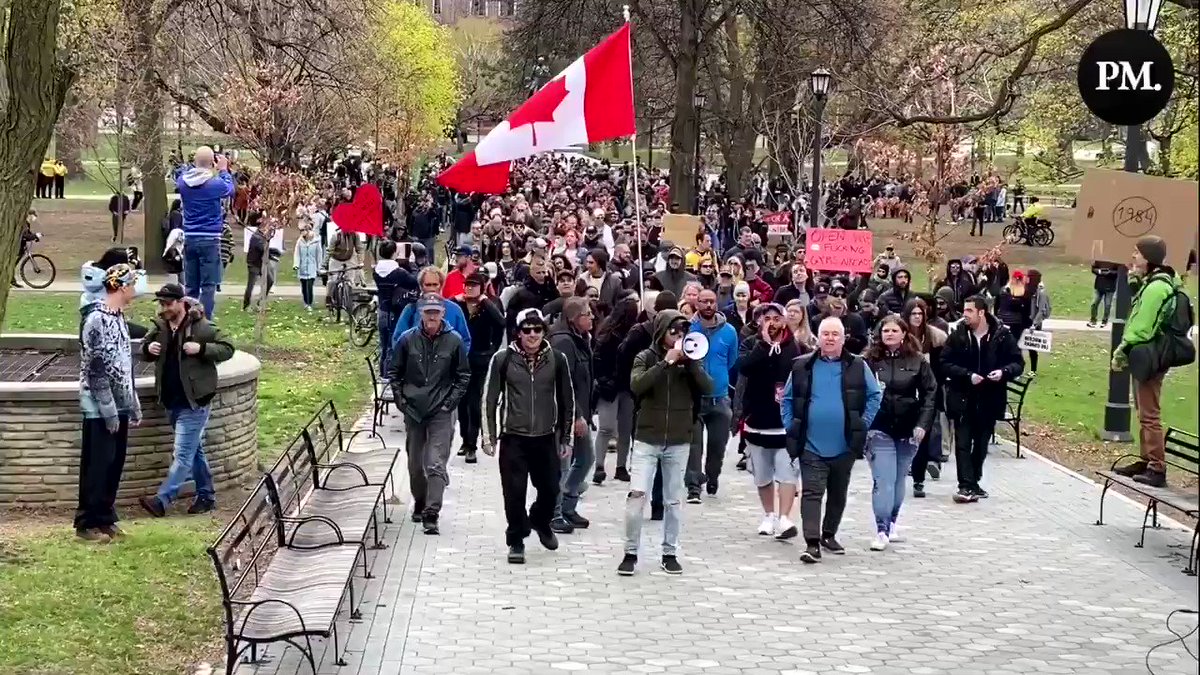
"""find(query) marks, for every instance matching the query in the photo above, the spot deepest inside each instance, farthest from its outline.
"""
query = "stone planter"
(40, 424)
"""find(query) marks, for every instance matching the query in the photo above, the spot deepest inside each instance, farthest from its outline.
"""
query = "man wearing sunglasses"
(530, 412)
(666, 386)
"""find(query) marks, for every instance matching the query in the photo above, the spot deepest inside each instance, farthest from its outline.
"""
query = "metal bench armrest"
(1123, 457)
(259, 603)
(301, 522)
(368, 432)
(343, 465)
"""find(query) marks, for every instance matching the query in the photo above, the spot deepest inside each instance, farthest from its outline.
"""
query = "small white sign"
(1036, 340)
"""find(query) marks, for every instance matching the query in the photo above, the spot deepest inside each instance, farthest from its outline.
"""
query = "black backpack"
(1172, 346)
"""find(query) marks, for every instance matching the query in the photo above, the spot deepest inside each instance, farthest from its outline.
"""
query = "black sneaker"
(622, 474)
(980, 492)
(418, 514)
(429, 524)
(829, 543)
(93, 535)
(470, 457)
(462, 452)
(561, 526)
(741, 464)
(935, 470)
(516, 554)
(577, 521)
(202, 506)
(548, 540)
(628, 565)
(965, 496)
(919, 490)
(152, 506)
(1131, 470)
(1091, 324)
(1152, 478)
(693, 496)
(1104, 324)
(811, 554)
(598, 478)
(711, 488)
(656, 511)
(670, 565)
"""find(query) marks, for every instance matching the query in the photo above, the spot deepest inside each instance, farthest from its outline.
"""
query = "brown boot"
(93, 535)
(1152, 478)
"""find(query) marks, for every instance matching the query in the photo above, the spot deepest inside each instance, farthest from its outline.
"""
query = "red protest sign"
(836, 249)
(778, 222)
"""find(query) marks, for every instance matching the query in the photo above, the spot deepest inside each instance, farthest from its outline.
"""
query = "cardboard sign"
(681, 229)
(778, 223)
(834, 249)
(1116, 208)
(1036, 340)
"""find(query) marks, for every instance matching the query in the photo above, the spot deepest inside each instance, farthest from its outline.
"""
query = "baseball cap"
(170, 292)
(463, 250)
(430, 302)
(762, 310)
(476, 279)
(530, 315)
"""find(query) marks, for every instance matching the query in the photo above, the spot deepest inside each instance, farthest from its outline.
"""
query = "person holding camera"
(666, 386)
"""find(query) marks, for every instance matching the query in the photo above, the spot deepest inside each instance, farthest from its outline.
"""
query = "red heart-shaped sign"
(364, 214)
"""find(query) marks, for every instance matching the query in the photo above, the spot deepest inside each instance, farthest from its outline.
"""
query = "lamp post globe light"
(819, 83)
(698, 101)
(1142, 14)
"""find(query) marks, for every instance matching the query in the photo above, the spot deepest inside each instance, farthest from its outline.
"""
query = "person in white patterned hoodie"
(109, 402)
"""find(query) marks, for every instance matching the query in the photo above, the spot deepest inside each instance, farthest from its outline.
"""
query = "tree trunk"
(684, 128)
(1164, 155)
(148, 116)
(35, 87)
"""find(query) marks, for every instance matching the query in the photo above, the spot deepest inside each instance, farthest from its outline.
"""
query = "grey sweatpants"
(428, 445)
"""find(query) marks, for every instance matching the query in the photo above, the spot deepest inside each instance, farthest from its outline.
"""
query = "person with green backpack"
(1156, 339)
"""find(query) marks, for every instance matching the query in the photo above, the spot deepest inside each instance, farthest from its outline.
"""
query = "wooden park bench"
(287, 561)
(1182, 453)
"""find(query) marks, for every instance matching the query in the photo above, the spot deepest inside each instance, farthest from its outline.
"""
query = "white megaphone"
(694, 345)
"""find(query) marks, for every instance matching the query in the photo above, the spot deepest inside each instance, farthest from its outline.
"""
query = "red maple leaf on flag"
(540, 107)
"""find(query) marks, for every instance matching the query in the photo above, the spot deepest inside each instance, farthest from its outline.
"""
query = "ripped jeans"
(643, 463)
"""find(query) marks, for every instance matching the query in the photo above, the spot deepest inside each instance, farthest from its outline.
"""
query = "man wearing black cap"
(486, 324)
(531, 413)
(430, 374)
(186, 349)
(1154, 306)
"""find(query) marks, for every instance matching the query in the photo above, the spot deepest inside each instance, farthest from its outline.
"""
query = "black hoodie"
(894, 298)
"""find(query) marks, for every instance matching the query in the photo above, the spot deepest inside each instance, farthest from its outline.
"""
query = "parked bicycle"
(358, 303)
(1037, 233)
(36, 270)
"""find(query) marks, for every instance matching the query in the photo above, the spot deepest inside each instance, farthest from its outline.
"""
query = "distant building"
(451, 11)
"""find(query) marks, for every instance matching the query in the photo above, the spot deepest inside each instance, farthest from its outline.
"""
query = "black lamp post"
(1139, 15)
(819, 83)
(698, 100)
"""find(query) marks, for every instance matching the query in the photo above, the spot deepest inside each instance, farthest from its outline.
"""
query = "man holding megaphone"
(666, 386)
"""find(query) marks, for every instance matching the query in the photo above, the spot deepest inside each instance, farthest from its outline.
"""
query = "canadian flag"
(588, 102)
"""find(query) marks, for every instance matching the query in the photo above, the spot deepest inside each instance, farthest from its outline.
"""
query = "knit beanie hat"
(1153, 249)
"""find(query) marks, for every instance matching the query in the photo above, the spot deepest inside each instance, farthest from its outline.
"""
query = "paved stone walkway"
(1020, 583)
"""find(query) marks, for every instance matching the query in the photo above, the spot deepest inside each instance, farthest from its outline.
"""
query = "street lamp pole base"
(1116, 436)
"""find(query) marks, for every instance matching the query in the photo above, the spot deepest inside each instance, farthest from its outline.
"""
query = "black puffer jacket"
(894, 298)
(909, 394)
(964, 356)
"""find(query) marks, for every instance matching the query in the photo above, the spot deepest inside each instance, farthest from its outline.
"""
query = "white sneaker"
(894, 534)
(785, 529)
(880, 542)
(767, 526)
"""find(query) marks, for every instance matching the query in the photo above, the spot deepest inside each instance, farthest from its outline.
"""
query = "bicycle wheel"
(363, 323)
(37, 271)
(1042, 236)
(1012, 234)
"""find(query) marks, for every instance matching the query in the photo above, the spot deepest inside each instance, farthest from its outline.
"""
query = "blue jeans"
(202, 270)
(890, 459)
(575, 472)
(643, 464)
(189, 460)
(385, 340)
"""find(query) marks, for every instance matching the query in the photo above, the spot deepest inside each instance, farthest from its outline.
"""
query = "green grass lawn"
(150, 604)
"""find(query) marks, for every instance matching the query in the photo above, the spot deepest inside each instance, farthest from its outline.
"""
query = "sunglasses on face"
(532, 330)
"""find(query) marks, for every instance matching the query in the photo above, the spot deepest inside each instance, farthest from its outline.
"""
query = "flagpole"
(637, 203)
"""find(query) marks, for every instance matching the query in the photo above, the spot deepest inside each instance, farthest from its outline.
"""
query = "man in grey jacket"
(430, 373)
(572, 336)
(530, 409)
